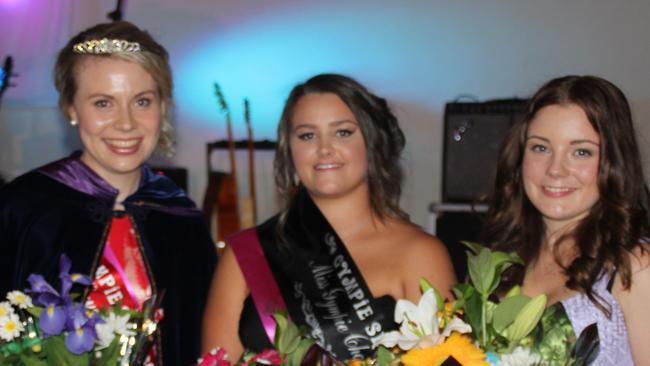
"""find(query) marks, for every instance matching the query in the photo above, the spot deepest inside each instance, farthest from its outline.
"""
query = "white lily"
(520, 357)
(419, 325)
(113, 324)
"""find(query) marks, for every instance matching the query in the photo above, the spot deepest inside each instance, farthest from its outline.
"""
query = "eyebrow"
(333, 123)
(104, 95)
(573, 142)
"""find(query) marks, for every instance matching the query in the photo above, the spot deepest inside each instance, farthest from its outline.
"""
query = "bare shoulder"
(423, 256)
(224, 306)
(640, 260)
(634, 303)
(414, 243)
(640, 269)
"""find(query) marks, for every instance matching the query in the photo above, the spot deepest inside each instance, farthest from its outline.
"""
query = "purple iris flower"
(60, 312)
(81, 340)
(81, 329)
(67, 279)
(52, 320)
(42, 293)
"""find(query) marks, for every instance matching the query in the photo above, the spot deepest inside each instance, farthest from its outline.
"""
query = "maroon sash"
(264, 290)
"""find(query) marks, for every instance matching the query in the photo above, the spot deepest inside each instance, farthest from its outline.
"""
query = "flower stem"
(484, 321)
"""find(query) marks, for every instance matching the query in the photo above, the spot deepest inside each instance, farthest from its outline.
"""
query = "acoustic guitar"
(249, 204)
(227, 206)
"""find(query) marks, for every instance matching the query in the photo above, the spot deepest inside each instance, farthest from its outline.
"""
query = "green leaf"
(299, 353)
(507, 310)
(35, 311)
(110, 354)
(499, 258)
(293, 340)
(474, 247)
(424, 285)
(481, 271)
(473, 315)
(495, 283)
(462, 292)
(490, 306)
(58, 354)
(526, 320)
(384, 356)
(515, 290)
(30, 360)
(282, 321)
(440, 301)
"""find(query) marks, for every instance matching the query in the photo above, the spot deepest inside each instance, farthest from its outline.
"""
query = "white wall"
(418, 54)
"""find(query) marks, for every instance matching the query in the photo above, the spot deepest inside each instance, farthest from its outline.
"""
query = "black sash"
(321, 284)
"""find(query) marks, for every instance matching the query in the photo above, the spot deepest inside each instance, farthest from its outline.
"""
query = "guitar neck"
(231, 146)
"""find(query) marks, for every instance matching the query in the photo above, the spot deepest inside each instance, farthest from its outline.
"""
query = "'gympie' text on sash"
(321, 284)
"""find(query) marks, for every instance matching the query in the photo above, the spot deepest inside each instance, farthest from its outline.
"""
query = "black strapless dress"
(254, 338)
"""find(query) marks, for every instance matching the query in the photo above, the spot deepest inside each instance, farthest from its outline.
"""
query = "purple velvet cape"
(64, 207)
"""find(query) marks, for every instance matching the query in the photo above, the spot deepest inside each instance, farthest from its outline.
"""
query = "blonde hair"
(152, 57)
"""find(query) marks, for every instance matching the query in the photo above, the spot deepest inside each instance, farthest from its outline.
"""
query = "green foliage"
(110, 355)
(496, 326)
(289, 340)
(507, 310)
(35, 311)
(58, 355)
(526, 319)
(385, 357)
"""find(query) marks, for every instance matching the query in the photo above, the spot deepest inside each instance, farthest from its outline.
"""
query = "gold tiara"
(105, 45)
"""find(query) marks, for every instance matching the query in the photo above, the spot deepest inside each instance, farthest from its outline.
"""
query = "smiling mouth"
(123, 146)
(557, 191)
(328, 166)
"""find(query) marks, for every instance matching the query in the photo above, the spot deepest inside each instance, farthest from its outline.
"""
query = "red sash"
(121, 275)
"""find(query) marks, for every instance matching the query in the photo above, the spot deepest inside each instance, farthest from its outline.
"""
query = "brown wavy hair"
(615, 225)
(382, 135)
(153, 58)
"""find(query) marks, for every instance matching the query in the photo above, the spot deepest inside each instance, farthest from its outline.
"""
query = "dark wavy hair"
(153, 58)
(381, 132)
(615, 225)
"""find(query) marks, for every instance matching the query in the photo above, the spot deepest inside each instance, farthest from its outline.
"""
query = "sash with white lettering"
(321, 285)
(121, 274)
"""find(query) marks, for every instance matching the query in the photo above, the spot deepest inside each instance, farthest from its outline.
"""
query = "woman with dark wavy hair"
(342, 250)
(571, 200)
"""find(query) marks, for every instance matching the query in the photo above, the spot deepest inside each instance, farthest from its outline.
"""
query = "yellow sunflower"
(456, 345)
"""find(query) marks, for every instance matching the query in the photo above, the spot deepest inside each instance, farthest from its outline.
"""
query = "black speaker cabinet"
(452, 229)
(473, 135)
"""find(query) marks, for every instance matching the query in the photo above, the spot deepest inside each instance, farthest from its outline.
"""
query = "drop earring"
(73, 122)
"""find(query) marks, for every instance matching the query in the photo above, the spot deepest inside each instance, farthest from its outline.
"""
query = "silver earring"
(296, 179)
(73, 122)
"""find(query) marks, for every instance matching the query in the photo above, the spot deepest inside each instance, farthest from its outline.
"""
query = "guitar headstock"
(247, 113)
(6, 73)
(221, 99)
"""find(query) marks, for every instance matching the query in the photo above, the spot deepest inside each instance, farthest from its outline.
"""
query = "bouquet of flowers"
(477, 329)
(48, 327)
